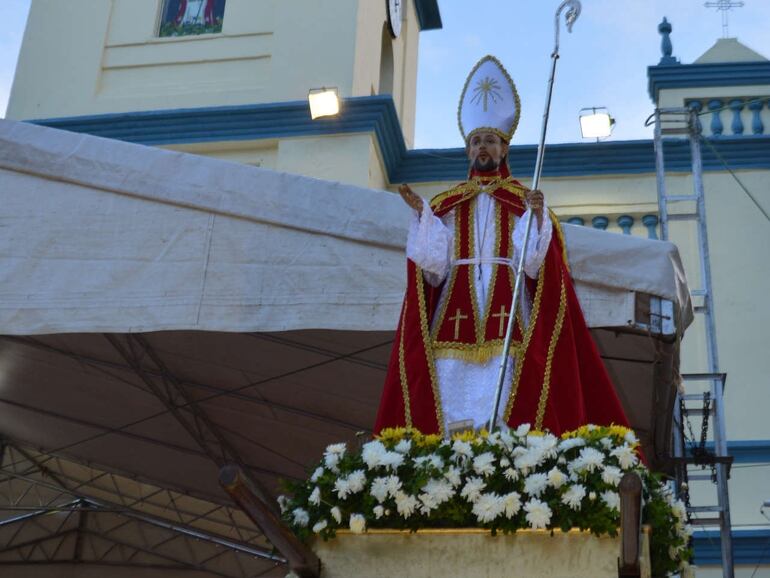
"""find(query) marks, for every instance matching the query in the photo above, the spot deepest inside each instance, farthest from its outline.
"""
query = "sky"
(603, 62)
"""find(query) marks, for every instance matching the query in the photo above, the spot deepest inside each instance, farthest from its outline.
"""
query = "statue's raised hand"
(410, 198)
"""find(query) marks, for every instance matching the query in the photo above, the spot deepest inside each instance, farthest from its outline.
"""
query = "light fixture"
(323, 102)
(596, 122)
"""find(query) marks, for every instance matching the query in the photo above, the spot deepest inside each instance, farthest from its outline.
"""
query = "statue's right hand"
(410, 198)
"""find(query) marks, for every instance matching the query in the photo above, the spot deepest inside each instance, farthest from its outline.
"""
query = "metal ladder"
(685, 122)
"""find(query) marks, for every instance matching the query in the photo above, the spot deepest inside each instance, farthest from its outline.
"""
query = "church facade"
(230, 80)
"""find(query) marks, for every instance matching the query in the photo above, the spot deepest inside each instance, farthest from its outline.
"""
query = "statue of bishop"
(462, 252)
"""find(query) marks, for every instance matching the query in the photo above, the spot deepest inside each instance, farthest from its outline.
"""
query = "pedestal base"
(459, 553)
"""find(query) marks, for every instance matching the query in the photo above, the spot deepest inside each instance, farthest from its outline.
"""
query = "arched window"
(386, 62)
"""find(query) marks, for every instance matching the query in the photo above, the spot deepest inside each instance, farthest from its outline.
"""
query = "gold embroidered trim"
(516, 99)
(474, 354)
(402, 371)
(438, 320)
(549, 359)
(533, 319)
(429, 351)
(511, 187)
(560, 234)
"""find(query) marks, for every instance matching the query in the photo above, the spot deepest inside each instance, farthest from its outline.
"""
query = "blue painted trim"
(747, 451)
(750, 547)
(588, 159)
(664, 76)
(377, 115)
(428, 14)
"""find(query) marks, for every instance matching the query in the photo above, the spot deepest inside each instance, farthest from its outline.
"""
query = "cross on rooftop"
(724, 6)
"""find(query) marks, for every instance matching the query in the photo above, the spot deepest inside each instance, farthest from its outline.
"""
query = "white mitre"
(489, 101)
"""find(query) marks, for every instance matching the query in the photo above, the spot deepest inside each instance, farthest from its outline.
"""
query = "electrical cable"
(737, 180)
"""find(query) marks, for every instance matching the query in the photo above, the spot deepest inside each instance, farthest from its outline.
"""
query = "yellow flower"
(424, 441)
(465, 436)
(392, 434)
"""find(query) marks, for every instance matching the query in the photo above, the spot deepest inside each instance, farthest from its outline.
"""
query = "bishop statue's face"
(486, 151)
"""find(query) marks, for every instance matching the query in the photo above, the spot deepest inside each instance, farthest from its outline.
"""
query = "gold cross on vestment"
(457, 318)
(502, 315)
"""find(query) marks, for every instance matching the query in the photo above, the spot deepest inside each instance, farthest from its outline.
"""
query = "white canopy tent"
(162, 313)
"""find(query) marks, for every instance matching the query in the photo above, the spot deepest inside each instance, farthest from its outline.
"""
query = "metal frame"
(60, 512)
(686, 122)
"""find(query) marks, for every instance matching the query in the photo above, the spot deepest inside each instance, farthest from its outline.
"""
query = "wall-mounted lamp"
(596, 122)
(323, 102)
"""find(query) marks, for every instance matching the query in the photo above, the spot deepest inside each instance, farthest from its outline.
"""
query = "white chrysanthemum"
(631, 438)
(561, 461)
(556, 478)
(538, 514)
(336, 449)
(404, 446)
(394, 485)
(420, 461)
(607, 443)
(625, 455)
(319, 471)
(342, 487)
(379, 489)
(612, 499)
(333, 455)
(522, 430)
(483, 464)
(320, 525)
(611, 475)
(488, 507)
(529, 460)
(504, 462)
(592, 496)
(679, 509)
(379, 511)
(589, 460)
(536, 484)
(506, 439)
(472, 489)
(512, 503)
(331, 461)
(372, 453)
(462, 449)
(300, 517)
(511, 475)
(356, 481)
(406, 504)
(357, 523)
(436, 461)
(453, 476)
(574, 496)
(336, 514)
(547, 444)
(570, 443)
(283, 503)
(315, 496)
(436, 492)
(392, 460)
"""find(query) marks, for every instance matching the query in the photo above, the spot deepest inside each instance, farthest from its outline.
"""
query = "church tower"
(229, 77)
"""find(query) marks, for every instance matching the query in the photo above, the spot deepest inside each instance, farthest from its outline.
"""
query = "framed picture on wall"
(186, 17)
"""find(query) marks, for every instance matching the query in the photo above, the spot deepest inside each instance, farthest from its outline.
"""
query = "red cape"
(559, 382)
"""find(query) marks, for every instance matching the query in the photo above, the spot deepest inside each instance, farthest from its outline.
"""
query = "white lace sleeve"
(428, 245)
(538, 242)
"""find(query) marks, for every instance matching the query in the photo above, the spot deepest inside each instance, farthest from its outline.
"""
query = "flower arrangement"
(505, 481)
